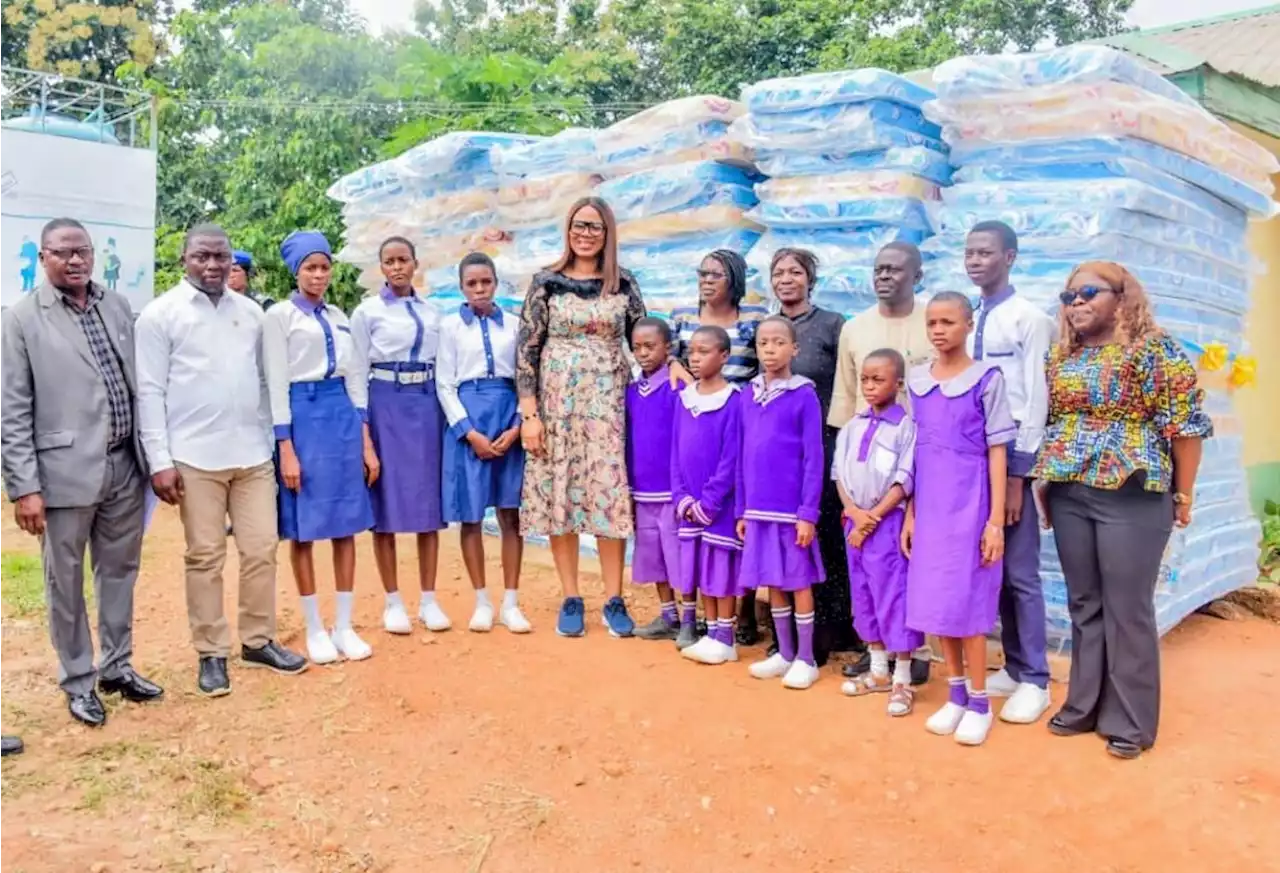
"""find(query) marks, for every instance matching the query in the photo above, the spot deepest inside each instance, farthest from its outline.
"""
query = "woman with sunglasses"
(1118, 467)
(571, 377)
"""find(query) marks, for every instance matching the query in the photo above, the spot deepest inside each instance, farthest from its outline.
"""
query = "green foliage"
(1269, 562)
(23, 584)
(84, 40)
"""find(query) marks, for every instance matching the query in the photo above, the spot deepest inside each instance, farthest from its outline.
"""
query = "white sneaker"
(482, 619)
(973, 728)
(320, 648)
(945, 721)
(772, 667)
(730, 652)
(800, 675)
(513, 620)
(431, 615)
(1026, 705)
(706, 651)
(395, 620)
(1001, 684)
(348, 642)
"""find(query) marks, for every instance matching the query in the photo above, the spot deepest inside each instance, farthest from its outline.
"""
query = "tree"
(84, 40)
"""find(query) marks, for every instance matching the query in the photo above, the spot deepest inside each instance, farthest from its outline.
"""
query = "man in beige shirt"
(896, 323)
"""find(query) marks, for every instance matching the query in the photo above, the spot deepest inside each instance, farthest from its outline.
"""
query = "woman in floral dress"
(571, 374)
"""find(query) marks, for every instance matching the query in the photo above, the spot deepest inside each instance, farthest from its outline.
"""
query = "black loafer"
(857, 668)
(920, 671)
(747, 635)
(1123, 749)
(131, 687)
(11, 746)
(87, 709)
(274, 656)
(1059, 728)
(213, 680)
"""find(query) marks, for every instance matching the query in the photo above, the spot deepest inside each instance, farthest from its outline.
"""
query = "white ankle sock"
(345, 600)
(879, 662)
(902, 670)
(509, 598)
(427, 597)
(311, 612)
(482, 597)
(393, 599)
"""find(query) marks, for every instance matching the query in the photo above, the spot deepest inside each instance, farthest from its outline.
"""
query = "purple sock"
(669, 614)
(688, 614)
(959, 693)
(979, 703)
(783, 632)
(725, 631)
(804, 637)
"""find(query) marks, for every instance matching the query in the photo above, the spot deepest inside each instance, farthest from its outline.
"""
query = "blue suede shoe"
(572, 622)
(616, 618)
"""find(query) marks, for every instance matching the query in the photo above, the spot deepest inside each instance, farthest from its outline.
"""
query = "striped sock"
(959, 693)
(804, 637)
(978, 702)
(688, 613)
(669, 614)
(784, 632)
(724, 628)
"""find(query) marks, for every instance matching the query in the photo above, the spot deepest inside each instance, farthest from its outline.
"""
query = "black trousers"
(1110, 544)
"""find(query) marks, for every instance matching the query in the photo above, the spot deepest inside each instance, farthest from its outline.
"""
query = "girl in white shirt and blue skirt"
(325, 457)
(483, 458)
(396, 336)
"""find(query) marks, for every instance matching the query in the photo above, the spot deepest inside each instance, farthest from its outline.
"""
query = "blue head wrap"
(242, 259)
(300, 245)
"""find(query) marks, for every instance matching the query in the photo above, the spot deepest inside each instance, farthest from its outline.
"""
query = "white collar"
(699, 403)
(762, 393)
(921, 381)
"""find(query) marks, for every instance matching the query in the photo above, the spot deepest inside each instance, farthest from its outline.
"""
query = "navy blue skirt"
(328, 439)
(471, 485)
(407, 428)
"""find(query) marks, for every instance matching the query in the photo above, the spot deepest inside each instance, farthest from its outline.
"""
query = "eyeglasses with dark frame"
(85, 253)
(587, 228)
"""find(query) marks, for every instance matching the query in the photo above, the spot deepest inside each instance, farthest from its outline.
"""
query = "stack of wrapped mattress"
(852, 163)
(1089, 155)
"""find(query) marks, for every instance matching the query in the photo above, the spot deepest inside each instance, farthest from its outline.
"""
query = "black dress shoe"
(213, 681)
(1060, 728)
(12, 746)
(1123, 749)
(131, 687)
(856, 668)
(920, 671)
(87, 709)
(274, 656)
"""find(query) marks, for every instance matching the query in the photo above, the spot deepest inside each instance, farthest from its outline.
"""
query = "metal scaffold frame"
(109, 107)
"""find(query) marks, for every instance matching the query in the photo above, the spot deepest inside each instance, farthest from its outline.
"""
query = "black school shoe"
(212, 679)
(274, 656)
(131, 687)
(12, 746)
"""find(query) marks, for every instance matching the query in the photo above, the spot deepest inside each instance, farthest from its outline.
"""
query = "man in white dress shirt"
(206, 429)
(1016, 334)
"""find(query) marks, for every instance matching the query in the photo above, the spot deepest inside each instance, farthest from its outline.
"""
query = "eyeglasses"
(85, 253)
(587, 228)
(1085, 293)
(713, 275)
(200, 257)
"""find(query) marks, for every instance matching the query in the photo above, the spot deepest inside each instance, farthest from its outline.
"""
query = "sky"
(398, 14)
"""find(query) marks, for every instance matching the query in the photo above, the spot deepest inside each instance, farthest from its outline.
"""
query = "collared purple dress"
(780, 479)
(949, 591)
(704, 463)
(873, 453)
(651, 405)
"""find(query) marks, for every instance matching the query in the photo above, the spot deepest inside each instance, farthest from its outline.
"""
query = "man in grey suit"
(72, 462)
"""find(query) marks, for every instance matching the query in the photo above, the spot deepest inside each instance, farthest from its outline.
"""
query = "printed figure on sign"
(28, 254)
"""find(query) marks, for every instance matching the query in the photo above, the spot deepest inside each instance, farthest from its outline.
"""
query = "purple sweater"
(704, 461)
(781, 465)
(651, 418)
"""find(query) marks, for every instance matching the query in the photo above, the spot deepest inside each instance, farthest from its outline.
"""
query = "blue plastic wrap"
(917, 160)
(906, 212)
(823, 122)
(793, 93)
(862, 136)
(678, 187)
(458, 154)
(572, 150)
(834, 247)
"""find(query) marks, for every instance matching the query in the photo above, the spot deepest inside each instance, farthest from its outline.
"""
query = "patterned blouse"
(1114, 411)
(742, 364)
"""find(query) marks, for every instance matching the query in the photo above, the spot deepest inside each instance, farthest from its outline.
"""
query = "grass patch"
(215, 792)
(23, 587)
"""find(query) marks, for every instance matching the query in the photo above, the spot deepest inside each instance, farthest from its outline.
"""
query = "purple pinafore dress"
(949, 591)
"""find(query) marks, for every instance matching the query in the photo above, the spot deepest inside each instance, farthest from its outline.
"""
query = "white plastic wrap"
(795, 93)
(572, 150)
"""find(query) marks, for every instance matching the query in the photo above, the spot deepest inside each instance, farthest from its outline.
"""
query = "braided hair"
(735, 272)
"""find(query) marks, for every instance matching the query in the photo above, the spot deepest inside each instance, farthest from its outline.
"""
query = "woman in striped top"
(722, 284)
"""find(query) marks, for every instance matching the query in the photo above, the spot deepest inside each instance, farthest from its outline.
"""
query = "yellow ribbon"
(1214, 357)
(1244, 371)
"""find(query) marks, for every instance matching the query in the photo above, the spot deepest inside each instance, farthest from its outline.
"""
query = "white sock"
(311, 612)
(482, 597)
(509, 598)
(902, 670)
(393, 599)
(427, 597)
(879, 662)
(345, 600)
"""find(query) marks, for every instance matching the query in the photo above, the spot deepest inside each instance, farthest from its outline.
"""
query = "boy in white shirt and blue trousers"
(1015, 334)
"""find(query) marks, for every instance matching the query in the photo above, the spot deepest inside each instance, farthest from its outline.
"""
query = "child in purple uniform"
(651, 412)
(872, 468)
(704, 463)
(954, 530)
(780, 479)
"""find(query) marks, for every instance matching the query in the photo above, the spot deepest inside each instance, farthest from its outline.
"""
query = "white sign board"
(110, 189)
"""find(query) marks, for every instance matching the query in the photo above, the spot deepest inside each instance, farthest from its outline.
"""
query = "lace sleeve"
(635, 304)
(534, 316)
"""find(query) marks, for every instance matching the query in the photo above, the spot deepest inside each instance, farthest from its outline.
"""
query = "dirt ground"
(492, 753)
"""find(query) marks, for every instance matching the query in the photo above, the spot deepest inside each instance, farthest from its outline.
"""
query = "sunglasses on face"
(1085, 293)
(587, 228)
(712, 275)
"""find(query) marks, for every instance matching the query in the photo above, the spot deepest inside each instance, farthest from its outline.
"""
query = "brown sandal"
(902, 699)
(866, 684)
